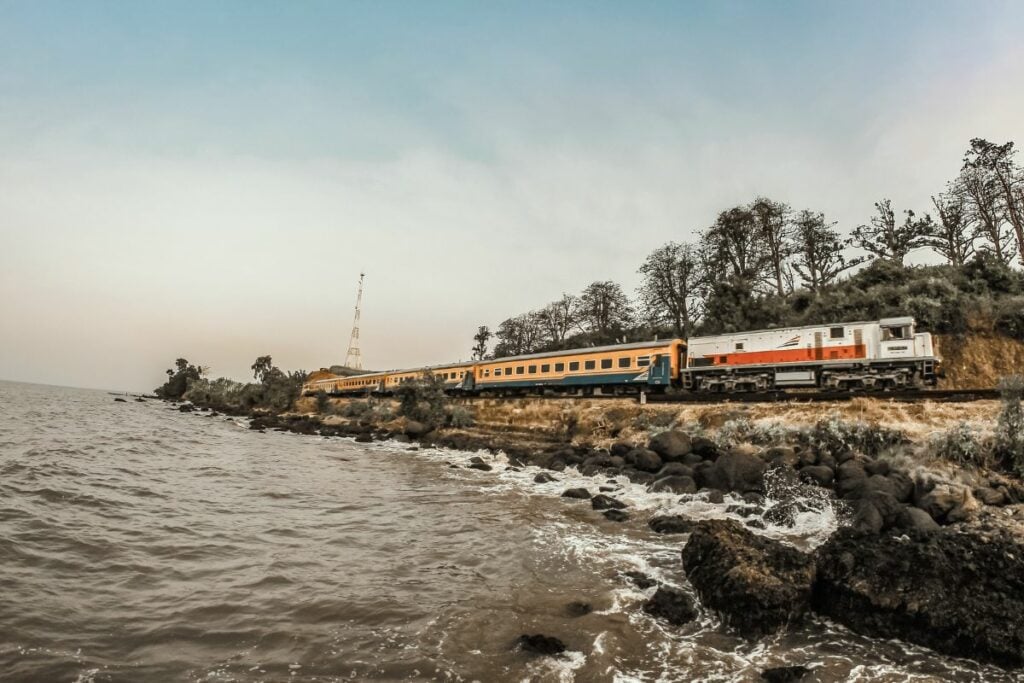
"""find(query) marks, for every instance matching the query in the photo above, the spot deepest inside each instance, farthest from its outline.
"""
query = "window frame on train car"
(643, 361)
(532, 369)
(559, 367)
(590, 364)
(520, 369)
(574, 366)
(545, 367)
(739, 346)
(606, 363)
(625, 362)
(497, 372)
(841, 333)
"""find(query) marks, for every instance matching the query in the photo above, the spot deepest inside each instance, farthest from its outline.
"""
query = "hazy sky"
(207, 179)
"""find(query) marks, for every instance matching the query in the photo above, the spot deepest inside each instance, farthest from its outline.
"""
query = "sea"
(140, 543)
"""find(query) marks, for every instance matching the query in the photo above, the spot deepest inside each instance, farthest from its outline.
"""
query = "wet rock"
(674, 484)
(736, 471)
(714, 496)
(915, 518)
(482, 466)
(638, 477)
(867, 518)
(954, 592)
(757, 584)
(616, 462)
(364, 438)
(704, 447)
(120, 400)
(782, 456)
(692, 459)
(672, 605)
(785, 674)
(576, 493)
(671, 445)
(817, 474)
(903, 485)
(671, 524)
(414, 429)
(544, 478)
(784, 513)
(577, 608)
(754, 523)
(604, 502)
(880, 467)
(186, 408)
(540, 644)
(753, 497)
(139, 399)
(616, 515)
(645, 460)
(620, 448)
(640, 580)
(607, 489)
(744, 510)
(675, 468)
(828, 461)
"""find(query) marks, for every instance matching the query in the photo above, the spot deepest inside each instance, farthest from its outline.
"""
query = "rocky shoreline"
(922, 559)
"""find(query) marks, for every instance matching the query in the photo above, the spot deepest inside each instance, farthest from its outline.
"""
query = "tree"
(604, 310)
(771, 221)
(954, 235)
(818, 251)
(733, 246)
(178, 379)
(482, 337)
(980, 194)
(559, 317)
(672, 286)
(887, 239)
(262, 368)
(996, 164)
(517, 335)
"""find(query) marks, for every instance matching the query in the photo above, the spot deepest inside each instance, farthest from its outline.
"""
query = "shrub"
(323, 402)
(423, 400)
(1009, 436)
(833, 435)
(964, 445)
(460, 417)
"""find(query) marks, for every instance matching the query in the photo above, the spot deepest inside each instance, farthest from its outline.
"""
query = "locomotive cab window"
(589, 365)
(625, 362)
(574, 366)
(559, 367)
(889, 333)
(836, 332)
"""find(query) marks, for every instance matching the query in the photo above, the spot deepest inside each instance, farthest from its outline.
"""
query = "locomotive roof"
(884, 322)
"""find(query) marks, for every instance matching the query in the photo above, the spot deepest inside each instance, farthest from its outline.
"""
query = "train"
(866, 355)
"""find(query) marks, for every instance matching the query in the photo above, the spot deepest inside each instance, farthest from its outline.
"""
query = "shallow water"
(140, 543)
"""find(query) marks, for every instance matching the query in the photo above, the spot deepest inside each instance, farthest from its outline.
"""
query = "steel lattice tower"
(354, 359)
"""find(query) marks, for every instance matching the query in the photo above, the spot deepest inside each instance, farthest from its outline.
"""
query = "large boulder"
(948, 503)
(757, 584)
(578, 493)
(415, 430)
(672, 524)
(671, 604)
(671, 445)
(735, 471)
(645, 460)
(604, 502)
(673, 484)
(954, 592)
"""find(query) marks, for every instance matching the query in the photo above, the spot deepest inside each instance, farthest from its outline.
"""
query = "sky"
(208, 179)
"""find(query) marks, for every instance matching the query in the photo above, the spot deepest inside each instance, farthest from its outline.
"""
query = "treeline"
(766, 264)
(274, 389)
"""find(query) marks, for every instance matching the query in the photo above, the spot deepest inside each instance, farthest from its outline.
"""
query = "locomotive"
(883, 354)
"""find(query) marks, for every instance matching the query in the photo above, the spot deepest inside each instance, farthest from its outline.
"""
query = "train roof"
(884, 322)
(587, 349)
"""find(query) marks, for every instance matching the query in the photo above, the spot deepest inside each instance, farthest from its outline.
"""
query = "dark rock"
(851, 469)
(603, 502)
(576, 493)
(880, 467)
(364, 438)
(607, 489)
(817, 474)
(704, 447)
(620, 448)
(784, 513)
(186, 408)
(843, 455)
(754, 523)
(557, 465)
(903, 485)
(671, 524)
(782, 456)
(671, 445)
(120, 400)
(672, 605)
(785, 674)
(675, 484)
(540, 644)
(616, 515)
(990, 496)
(544, 478)
(957, 593)
(744, 510)
(866, 517)
(736, 471)
(675, 468)
(640, 580)
(692, 459)
(646, 460)
(753, 497)
(577, 608)
(944, 500)
(616, 462)
(915, 518)
(715, 496)
(757, 584)
(828, 461)
(139, 399)
(638, 477)
(482, 466)
(414, 429)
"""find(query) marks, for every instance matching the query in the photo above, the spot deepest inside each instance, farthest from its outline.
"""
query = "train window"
(574, 366)
(625, 362)
(643, 361)
(606, 363)
(497, 372)
(739, 346)
(545, 368)
(895, 333)
(559, 367)
(533, 370)
(589, 364)
(836, 332)
(519, 370)
(723, 359)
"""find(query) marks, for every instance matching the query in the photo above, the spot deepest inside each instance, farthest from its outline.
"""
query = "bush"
(1009, 436)
(323, 403)
(964, 445)
(423, 400)
(834, 435)
(460, 417)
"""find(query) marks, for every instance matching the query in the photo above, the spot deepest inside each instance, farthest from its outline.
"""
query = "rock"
(947, 503)
(753, 497)
(866, 517)
(638, 477)
(672, 605)
(744, 510)
(364, 438)
(414, 429)
(757, 584)
(640, 580)
(692, 459)
(616, 515)
(990, 496)
(784, 513)
(120, 400)
(186, 408)
(903, 484)
(915, 518)
(607, 489)
(675, 468)
(785, 674)
(544, 478)
(957, 593)
(139, 399)
(704, 447)
(578, 609)
(620, 448)
(782, 456)
(540, 644)
(715, 496)
(817, 474)
(674, 484)
(576, 493)
(851, 469)
(880, 467)
(603, 502)
(646, 460)
(736, 471)
(616, 462)
(671, 445)
(482, 466)
(671, 524)
(828, 461)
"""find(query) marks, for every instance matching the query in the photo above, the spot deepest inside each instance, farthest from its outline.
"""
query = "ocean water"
(138, 543)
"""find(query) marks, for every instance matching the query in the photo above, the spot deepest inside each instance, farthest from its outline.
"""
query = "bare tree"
(559, 317)
(671, 290)
(954, 235)
(771, 220)
(482, 338)
(887, 239)
(818, 250)
(996, 163)
(980, 194)
(604, 309)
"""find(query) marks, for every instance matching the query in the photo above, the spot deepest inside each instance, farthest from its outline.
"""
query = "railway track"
(899, 396)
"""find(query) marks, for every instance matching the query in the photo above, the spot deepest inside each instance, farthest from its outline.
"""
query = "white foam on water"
(561, 668)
